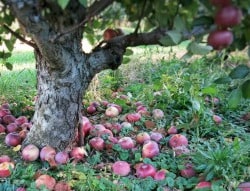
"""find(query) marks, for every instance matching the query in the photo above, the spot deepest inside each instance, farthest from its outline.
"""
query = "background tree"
(55, 29)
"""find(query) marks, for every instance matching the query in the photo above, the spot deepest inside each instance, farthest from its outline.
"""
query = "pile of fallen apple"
(102, 137)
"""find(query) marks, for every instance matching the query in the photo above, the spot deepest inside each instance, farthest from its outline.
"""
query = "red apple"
(62, 186)
(91, 109)
(2, 128)
(142, 137)
(7, 119)
(126, 124)
(145, 170)
(203, 184)
(220, 39)
(188, 171)
(150, 149)
(77, 153)
(156, 136)
(109, 34)
(5, 169)
(13, 139)
(4, 158)
(4, 112)
(47, 152)
(121, 168)
(178, 140)
(86, 125)
(62, 157)
(228, 16)
(5, 106)
(133, 117)
(217, 119)
(21, 120)
(97, 130)
(157, 114)
(97, 143)
(244, 186)
(160, 175)
(12, 127)
(46, 180)
(30, 153)
(172, 130)
(126, 143)
(112, 111)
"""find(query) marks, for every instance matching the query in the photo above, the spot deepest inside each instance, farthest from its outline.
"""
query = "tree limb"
(109, 56)
(95, 9)
(141, 16)
(18, 36)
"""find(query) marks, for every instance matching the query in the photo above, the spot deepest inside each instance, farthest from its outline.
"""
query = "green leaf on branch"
(245, 88)
(210, 90)
(203, 21)
(240, 72)
(126, 60)
(129, 52)
(223, 80)
(175, 36)
(84, 2)
(234, 98)
(63, 3)
(179, 24)
(199, 49)
(8, 65)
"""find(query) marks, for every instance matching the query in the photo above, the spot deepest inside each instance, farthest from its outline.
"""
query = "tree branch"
(141, 16)
(109, 56)
(18, 36)
(95, 9)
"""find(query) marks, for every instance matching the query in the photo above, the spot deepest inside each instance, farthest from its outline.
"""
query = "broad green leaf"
(63, 3)
(223, 80)
(203, 21)
(175, 36)
(126, 60)
(179, 24)
(84, 2)
(10, 44)
(167, 41)
(240, 72)
(196, 105)
(234, 98)
(199, 49)
(245, 88)
(8, 65)
(129, 52)
(211, 90)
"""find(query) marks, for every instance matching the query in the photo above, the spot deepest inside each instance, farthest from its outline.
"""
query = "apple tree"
(55, 29)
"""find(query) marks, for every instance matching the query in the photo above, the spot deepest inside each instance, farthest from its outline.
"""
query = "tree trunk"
(59, 100)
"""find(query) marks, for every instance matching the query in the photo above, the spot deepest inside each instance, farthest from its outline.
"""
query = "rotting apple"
(121, 168)
(62, 157)
(142, 137)
(157, 114)
(77, 153)
(160, 174)
(203, 184)
(178, 140)
(48, 181)
(13, 139)
(150, 149)
(4, 158)
(145, 170)
(188, 171)
(97, 143)
(126, 143)
(30, 153)
(5, 169)
(244, 186)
